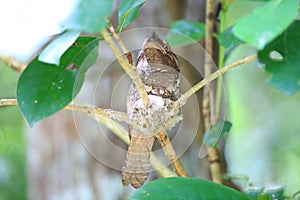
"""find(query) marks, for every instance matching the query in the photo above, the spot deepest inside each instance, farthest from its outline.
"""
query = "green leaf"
(186, 188)
(266, 22)
(227, 39)
(282, 59)
(44, 89)
(128, 12)
(53, 52)
(89, 16)
(216, 132)
(185, 32)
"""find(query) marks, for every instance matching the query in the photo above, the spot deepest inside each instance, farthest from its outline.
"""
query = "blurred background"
(69, 156)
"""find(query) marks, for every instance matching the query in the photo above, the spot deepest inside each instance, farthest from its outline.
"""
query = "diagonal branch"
(129, 69)
(169, 151)
(182, 100)
(12, 63)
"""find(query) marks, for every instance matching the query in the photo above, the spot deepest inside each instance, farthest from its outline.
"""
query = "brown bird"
(158, 68)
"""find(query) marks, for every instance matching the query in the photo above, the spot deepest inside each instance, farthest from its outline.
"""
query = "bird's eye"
(166, 47)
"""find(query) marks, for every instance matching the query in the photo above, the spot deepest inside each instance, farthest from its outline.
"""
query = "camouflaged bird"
(158, 68)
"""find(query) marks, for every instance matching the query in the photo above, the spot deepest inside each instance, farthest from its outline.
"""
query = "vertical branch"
(182, 100)
(209, 100)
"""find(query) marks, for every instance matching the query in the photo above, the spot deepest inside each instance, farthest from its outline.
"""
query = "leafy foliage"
(44, 88)
(286, 68)
(266, 22)
(89, 16)
(185, 32)
(128, 12)
(186, 188)
(216, 132)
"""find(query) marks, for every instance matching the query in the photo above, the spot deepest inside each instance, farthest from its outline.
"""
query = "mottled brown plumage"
(158, 68)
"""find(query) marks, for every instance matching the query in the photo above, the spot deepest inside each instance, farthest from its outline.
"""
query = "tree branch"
(105, 117)
(208, 103)
(129, 69)
(12, 63)
(120, 116)
(170, 153)
(182, 100)
(116, 115)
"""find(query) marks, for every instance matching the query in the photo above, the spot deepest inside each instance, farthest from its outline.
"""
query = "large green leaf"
(44, 89)
(214, 133)
(185, 32)
(286, 66)
(186, 188)
(266, 22)
(128, 12)
(89, 16)
(53, 52)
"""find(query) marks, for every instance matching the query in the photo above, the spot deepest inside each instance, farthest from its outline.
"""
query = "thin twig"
(181, 101)
(122, 46)
(120, 116)
(169, 151)
(116, 36)
(12, 63)
(8, 102)
(131, 71)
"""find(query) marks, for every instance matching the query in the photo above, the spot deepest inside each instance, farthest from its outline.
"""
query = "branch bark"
(129, 69)
(12, 63)
(182, 100)
(169, 151)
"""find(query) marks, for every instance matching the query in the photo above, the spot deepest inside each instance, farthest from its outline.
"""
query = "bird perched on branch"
(158, 68)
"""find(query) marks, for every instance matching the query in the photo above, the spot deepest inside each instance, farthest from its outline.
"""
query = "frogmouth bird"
(158, 68)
